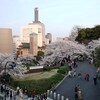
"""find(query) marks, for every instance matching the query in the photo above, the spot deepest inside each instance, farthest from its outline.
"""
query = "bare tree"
(74, 32)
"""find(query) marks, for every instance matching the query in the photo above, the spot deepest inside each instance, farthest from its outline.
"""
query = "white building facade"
(37, 28)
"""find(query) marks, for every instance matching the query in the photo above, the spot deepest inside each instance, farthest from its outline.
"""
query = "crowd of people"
(20, 94)
(73, 73)
(6, 92)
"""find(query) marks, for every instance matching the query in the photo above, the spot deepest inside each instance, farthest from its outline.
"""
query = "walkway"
(89, 90)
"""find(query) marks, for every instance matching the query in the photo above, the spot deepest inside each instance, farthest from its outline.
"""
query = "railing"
(55, 96)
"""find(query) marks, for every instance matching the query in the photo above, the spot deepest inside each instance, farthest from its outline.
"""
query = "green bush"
(40, 53)
(49, 68)
(39, 86)
(6, 78)
(46, 69)
(97, 57)
(63, 70)
(56, 78)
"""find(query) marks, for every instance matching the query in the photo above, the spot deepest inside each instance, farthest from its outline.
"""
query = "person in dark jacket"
(95, 80)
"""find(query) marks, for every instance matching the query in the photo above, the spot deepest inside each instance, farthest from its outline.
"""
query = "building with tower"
(32, 37)
(35, 27)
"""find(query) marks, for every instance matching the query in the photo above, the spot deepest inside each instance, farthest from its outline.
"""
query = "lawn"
(37, 76)
(40, 82)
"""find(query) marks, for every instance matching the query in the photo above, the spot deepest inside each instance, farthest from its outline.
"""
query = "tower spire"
(36, 14)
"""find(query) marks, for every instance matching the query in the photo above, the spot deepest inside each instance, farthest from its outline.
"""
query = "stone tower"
(36, 14)
(33, 44)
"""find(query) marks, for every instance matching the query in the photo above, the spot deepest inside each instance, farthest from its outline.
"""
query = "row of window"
(29, 30)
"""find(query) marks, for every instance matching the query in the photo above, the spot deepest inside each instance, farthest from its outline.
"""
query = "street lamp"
(11, 66)
(5, 76)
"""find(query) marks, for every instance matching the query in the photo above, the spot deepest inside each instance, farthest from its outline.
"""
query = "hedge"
(39, 86)
(42, 85)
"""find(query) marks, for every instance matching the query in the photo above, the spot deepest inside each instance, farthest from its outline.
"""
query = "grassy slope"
(39, 75)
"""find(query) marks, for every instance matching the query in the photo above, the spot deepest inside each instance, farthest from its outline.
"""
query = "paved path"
(89, 90)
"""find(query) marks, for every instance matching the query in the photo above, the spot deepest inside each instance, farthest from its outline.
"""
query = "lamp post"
(13, 65)
(3, 60)
(5, 76)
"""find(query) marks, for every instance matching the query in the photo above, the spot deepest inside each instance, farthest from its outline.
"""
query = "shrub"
(39, 86)
(42, 85)
(40, 53)
(6, 78)
(46, 69)
(63, 70)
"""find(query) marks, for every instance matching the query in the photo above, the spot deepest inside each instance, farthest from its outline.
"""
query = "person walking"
(33, 94)
(70, 74)
(1, 89)
(11, 94)
(76, 89)
(76, 96)
(79, 94)
(74, 73)
(79, 75)
(87, 77)
(95, 80)
(76, 92)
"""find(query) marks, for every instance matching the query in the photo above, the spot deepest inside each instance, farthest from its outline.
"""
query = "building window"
(39, 30)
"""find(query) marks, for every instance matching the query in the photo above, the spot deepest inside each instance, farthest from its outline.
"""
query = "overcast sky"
(59, 16)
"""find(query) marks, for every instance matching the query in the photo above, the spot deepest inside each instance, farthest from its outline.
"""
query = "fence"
(55, 96)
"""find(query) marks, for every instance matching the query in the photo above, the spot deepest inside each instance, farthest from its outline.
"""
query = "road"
(89, 90)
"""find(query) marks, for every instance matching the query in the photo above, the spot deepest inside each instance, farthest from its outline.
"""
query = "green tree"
(88, 34)
(97, 57)
(81, 36)
(40, 53)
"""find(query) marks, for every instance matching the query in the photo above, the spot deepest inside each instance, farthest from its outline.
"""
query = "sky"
(59, 16)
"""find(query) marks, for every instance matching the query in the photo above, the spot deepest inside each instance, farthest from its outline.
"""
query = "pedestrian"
(1, 89)
(14, 95)
(26, 91)
(29, 94)
(21, 94)
(74, 73)
(7, 92)
(11, 94)
(41, 96)
(79, 75)
(95, 80)
(33, 94)
(45, 96)
(17, 90)
(76, 96)
(69, 74)
(76, 89)
(87, 77)
(79, 94)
